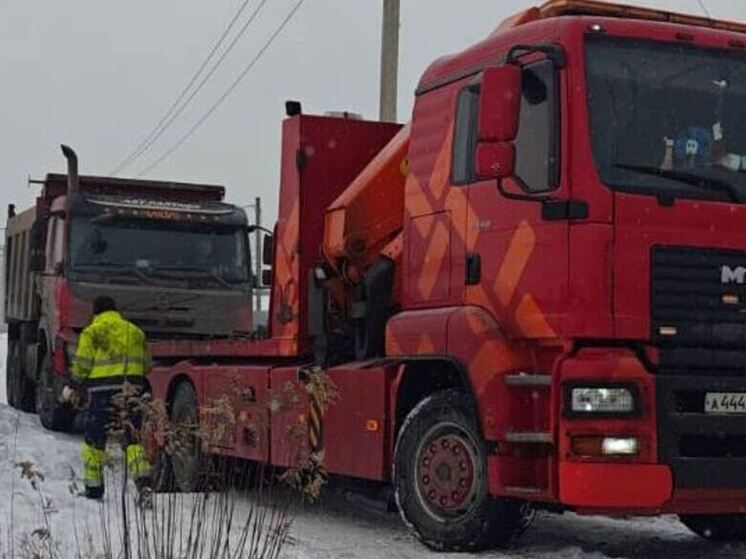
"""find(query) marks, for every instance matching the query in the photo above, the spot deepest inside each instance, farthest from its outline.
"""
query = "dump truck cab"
(174, 256)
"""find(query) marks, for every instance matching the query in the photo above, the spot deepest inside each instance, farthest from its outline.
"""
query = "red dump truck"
(534, 292)
(174, 256)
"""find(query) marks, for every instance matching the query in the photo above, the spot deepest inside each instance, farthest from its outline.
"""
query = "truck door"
(517, 231)
(54, 262)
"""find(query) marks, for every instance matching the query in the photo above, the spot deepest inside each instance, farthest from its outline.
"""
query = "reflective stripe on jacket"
(110, 348)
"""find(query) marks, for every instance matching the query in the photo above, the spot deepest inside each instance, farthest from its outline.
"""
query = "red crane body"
(519, 251)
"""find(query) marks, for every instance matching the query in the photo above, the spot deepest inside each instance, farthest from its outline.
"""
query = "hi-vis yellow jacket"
(110, 349)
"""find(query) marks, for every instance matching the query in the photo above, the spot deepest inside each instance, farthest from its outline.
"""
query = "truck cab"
(174, 256)
(575, 241)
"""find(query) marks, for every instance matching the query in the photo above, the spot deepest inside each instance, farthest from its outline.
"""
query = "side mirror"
(267, 250)
(266, 278)
(494, 160)
(499, 104)
(499, 114)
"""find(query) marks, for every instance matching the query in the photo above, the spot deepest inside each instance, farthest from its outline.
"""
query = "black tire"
(717, 527)
(53, 414)
(20, 386)
(11, 365)
(162, 474)
(186, 460)
(439, 438)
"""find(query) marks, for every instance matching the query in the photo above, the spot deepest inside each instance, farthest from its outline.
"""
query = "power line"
(136, 152)
(227, 93)
(704, 8)
(178, 107)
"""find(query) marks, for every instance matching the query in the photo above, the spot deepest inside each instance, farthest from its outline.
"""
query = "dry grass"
(240, 510)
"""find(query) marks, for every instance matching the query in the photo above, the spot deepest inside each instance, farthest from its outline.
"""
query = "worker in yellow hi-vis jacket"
(110, 352)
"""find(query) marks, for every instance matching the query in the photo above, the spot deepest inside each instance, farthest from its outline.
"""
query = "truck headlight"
(602, 400)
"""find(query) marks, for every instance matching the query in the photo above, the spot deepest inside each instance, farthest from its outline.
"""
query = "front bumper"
(691, 462)
(639, 489)
(614, 486)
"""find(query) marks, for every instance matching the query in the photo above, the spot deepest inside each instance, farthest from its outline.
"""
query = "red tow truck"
(534, 292)
(173, 255)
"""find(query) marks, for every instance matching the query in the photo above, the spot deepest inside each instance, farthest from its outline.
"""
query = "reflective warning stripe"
(82, 362)
(112, 361)
(314, 423)
(93, 465)
(316, 410)
(116, 369)
(137, 462)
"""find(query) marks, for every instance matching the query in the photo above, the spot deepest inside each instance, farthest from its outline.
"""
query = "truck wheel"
(53, 415)
(187, 460)
(717, 527)
(440, 479)
(20, 388)
(161, 472)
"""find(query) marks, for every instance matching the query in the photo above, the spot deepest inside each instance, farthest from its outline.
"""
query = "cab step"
(524, 379)
(529, 437)
(525, 490)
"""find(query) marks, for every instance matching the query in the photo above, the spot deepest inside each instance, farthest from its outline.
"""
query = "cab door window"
(57, 244)
(537, 142)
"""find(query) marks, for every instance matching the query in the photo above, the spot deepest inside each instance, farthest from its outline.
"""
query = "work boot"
(144, 494)
(96, 493)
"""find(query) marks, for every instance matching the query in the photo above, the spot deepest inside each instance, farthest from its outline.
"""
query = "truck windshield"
(667, 119)
(215, 257)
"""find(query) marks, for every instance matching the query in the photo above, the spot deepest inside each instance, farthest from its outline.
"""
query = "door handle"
(473, 268)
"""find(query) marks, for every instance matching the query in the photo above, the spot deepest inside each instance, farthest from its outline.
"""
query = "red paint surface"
(614, 485)
(351, 447)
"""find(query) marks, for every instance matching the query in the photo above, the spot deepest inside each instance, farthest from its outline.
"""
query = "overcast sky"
(99, 74)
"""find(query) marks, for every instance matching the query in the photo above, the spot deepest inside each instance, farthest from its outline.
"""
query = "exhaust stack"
(73, 180)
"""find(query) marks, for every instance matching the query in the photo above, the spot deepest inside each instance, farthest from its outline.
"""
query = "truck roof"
(473, 59)
(557, 8)
(56, 185)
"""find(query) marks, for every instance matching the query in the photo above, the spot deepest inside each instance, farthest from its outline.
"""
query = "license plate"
(725, 402)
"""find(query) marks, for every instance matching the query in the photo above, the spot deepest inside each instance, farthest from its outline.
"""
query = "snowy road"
(338, 528)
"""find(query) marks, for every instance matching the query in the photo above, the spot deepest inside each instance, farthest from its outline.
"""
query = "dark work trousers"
(100, 416)
(99, 422)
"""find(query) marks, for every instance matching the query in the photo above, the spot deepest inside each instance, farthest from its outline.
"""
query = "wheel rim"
(446, 472)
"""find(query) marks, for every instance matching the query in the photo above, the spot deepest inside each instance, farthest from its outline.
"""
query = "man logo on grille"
(731, 275)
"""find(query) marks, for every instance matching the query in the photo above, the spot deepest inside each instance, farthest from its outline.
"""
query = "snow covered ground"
(340, 527)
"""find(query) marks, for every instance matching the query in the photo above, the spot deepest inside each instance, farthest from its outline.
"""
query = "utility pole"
(389, 59)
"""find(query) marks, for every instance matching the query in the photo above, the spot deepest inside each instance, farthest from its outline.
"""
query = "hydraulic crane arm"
(369, 214)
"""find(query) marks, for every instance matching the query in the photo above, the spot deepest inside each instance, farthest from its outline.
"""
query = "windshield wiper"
(103, 264)
(194, 271)
(687, 177)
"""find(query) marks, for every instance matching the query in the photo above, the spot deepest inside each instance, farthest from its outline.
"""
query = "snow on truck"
(174, 256)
